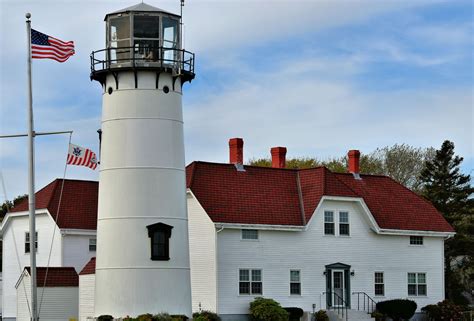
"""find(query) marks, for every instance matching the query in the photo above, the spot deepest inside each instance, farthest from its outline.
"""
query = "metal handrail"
(162, 57)
(341, 310)
(367, 302)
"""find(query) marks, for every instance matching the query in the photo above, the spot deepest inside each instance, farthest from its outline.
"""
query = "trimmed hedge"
(398, 309)
(105, 317)
(444, 310)
(294, 314)
(206, 316)
(262, 309)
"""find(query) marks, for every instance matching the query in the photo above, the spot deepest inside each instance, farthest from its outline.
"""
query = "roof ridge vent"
(239, 167)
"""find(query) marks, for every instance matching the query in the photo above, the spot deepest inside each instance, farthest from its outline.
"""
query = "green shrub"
(162, 317)
(105, 317)
(321, 315)
(397, 309)
(444, 310)
(262, 309)
(294, 314)
(145, 317)
(206, 316)
(179, 317)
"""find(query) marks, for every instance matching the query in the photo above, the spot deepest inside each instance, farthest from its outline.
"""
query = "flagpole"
(31, 180)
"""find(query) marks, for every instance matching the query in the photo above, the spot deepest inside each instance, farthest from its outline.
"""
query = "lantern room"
(143, 36)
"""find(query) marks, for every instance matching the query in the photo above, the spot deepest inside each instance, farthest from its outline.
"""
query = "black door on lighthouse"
(338, 287)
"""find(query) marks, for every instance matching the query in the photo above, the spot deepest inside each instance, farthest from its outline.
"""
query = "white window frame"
(93, 242)
(27, 240)
(295, 282)
(417, 284)
(379, 283)
(348, 223)
(414, 240)
(250, 281)
(249, 239)
(329, 222)
(336, 222)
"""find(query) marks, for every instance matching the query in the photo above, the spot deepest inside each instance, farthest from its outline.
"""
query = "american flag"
(81, 156)
(46, 47)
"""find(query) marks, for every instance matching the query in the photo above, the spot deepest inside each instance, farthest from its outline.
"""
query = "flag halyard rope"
(54, 230)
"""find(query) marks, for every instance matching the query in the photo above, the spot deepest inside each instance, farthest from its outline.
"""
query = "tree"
(403, 163)
(451, 193)
(8, 205)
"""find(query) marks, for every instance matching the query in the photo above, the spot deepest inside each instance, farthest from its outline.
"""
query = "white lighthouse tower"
(142, 261)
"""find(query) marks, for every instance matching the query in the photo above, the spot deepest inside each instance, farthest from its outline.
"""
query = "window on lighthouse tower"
(159, 235)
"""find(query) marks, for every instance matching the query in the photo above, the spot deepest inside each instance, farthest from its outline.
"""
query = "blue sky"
(319, 77)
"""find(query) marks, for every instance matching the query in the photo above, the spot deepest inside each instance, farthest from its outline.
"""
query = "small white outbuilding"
(87, 291)
(58, 294)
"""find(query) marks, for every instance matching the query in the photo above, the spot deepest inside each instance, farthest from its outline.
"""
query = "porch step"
(352, 315)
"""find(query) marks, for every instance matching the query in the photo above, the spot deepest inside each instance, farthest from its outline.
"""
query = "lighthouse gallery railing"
(180, 60)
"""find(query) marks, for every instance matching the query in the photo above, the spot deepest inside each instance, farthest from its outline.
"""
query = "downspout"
(217, 273)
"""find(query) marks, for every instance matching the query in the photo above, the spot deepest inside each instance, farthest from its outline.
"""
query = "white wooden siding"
(57, 303)
(202, 245)
(76, 250)
(277, 252)
(13, 264)
(86, 296)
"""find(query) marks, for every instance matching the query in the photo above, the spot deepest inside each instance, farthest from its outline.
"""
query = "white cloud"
(317, 116)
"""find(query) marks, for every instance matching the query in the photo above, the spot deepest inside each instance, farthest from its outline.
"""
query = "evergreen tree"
(451, 192)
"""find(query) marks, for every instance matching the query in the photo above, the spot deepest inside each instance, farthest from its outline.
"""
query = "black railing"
(368, 304)
(340, 307)
(179, 60)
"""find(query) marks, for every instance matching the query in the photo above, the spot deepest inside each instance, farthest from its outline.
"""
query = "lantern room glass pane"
(170, 39)
(119, 29)
(119, 37)
(146, 27)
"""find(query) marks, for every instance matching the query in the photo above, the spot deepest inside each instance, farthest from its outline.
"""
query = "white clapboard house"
(58, 289)
(65, 240)
(308, 238)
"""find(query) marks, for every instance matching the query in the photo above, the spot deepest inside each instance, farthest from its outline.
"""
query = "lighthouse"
(142, 263)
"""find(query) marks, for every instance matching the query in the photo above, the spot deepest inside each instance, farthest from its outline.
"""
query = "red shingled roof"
(78, 205)
(89, 268)
(261, 195)
(57, 276)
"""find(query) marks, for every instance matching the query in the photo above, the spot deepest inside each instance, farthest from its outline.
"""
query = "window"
(249, 234)
(92, 245)
(27, 242)
(159, 235)
(295, 282)
(343, 223)
(417, 284)
(329, 223)
(379, 284)
(250, 281)
(416, 240)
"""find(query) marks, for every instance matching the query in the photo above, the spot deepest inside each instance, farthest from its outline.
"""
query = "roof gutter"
(416, 233)
(267, 227)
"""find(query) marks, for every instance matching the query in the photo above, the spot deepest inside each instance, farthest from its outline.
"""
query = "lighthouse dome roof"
(140, 7)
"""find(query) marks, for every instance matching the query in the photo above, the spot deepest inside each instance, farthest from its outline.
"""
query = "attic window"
(249, 234)
(159, 235)
(27, 242)
(416, 240)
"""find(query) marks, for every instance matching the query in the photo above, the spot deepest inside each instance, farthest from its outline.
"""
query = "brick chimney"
(354, 156)
(278, 157)
(236, 151)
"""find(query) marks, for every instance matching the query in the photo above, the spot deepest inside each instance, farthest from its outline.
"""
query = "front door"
(338, 286)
